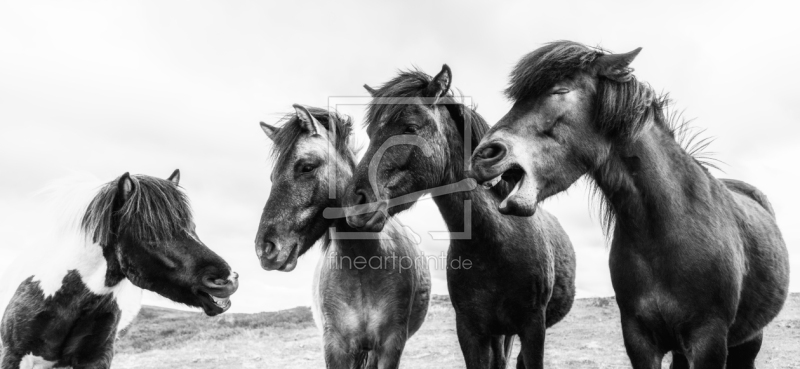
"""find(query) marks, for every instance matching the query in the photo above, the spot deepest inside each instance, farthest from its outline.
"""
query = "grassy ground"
(589, 337)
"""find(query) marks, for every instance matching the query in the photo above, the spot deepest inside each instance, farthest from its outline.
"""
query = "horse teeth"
(492, 182)
(221, 302)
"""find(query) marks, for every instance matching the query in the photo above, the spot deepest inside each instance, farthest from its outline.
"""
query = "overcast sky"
(150, 86)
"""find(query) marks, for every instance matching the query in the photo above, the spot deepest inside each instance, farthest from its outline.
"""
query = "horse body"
(370, 293)
(518, 268)
(73, 325)
(374, 310)
(512, 275)
(698, 264)
(698, 260)
(68, 312)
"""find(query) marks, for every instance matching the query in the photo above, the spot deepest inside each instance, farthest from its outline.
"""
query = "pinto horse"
(698, 264)
(522, 274)
(136, 233)
(370, 294)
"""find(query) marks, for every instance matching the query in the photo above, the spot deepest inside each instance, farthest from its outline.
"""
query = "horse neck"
(452, 206)
(651, 182)
(89, 259)
(340, 244)
(96, 271)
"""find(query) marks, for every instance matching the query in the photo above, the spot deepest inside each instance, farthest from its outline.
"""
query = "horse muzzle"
(488, 162)
(215, 292)
(492, 163)
(367, 216)
(275, 257)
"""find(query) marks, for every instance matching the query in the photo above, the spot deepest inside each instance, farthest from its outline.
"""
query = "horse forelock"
(291, 131)
(547, 65)
(155, 210)
(620, 108)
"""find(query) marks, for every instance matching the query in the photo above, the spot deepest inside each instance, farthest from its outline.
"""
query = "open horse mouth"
(213, 305)
(215, 292)
(522, 198)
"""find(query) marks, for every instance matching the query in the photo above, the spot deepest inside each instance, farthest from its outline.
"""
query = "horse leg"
(743, 356)
(498, 352)
(102, 362)
(709, 346)
(532, 340)
(337, 356)
(639, 344)
(338, 360)
(520, 360)
(679, 361)
(390, 351)
(96, 365)
(475, 346)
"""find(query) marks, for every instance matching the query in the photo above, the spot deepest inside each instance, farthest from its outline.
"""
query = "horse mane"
(156, 210)
(540, 69)
(621, 109)
(291, 130)
(413, 84)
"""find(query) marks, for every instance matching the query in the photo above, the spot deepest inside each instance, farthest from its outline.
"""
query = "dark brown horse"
(522, 273)
(698, 264)
(370, 294)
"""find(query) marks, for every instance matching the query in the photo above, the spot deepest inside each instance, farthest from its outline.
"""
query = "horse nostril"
(266, 249)
(361, 197)
(492, 151)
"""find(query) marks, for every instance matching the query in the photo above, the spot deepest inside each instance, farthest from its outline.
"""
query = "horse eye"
(410, 130)
(560, 91)
(307, 168)
(548, 132)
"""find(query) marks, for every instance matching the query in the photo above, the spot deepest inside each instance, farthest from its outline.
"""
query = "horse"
(135, 233)
(697, 263)
(370, 294)
(506, 276)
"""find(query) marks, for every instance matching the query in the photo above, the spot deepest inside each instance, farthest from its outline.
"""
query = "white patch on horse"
(89, 262)
(31, 361)
(129, 301)
(316, 307)
(76, 254)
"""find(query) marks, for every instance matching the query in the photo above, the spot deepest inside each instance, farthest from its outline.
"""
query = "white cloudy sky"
(150, 86)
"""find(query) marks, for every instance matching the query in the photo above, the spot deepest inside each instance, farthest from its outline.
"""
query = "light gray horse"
(370, 294)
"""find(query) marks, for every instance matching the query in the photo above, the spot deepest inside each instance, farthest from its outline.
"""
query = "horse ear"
(615, 66)
(175, 177)
(309, 123)
(440, 84)
(125, 186)
(269, 130)
(371, 90)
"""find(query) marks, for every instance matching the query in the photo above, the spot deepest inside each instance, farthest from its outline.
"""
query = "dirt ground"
(590, 337)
